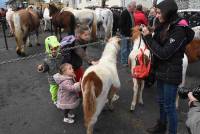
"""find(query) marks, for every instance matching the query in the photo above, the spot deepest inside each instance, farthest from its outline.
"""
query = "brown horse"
(24, 22)
(64, 19)
(193, 51)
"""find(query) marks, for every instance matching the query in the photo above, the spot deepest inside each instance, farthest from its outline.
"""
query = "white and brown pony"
(85, 17)
(24, 22)
(105, 21)
(99, 84)
(138, 47)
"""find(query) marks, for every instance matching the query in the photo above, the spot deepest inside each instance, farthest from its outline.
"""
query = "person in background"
(139, 16)
(168, 45)
(126, 24)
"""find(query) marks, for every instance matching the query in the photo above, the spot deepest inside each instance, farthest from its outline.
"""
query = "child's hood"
(60, 78)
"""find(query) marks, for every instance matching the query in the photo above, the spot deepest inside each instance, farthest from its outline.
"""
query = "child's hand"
(77, 85)
(94, 62)
(40, 68)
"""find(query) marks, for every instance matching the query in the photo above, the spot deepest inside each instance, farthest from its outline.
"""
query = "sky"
(2, 3)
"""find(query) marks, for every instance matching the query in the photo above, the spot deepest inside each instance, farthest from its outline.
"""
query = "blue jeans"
(167, 97)
(125, 50)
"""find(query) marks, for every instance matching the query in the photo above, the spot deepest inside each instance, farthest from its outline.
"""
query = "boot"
(159, 128)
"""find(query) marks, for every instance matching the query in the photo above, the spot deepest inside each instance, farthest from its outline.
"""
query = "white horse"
(99, 84)
(9, 14)
(105, 20)
(46, 18)
(85, 17)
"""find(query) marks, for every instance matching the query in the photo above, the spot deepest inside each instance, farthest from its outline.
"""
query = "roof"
(189, 10)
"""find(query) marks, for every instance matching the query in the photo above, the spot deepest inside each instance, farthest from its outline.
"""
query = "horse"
(105, 20)
(99, 84)
(9, 14)
(85, 17)
(23, 22)
(138, 48)
(62, 19)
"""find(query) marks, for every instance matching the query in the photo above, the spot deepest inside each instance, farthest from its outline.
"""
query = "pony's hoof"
(132, 108)
(111, 108)
(18, 52)
(30, 45)
(23, 54)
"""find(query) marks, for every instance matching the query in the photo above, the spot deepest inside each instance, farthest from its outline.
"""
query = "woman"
(168, 45)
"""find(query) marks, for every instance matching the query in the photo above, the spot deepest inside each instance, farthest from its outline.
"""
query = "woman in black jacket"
(168, 45)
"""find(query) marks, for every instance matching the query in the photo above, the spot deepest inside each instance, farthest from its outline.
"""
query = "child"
(51, 64)
(68, 91)
(79, 54)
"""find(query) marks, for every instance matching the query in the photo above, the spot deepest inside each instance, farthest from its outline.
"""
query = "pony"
(99, 84)
(9, 14)
(23, 22)
(62, 19)
(105, 20)
(85, 17)
(138, 48)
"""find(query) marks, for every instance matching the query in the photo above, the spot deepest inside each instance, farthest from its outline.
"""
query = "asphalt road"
(25, 106)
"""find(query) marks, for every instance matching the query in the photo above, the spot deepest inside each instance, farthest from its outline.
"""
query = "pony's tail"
(110, 26)
(94, 28)
(73, 24)
(16, 26)
(89, 101)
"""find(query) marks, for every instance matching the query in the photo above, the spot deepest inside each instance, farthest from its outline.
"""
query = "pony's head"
(115, 41)
(52, 9)
(136, 32)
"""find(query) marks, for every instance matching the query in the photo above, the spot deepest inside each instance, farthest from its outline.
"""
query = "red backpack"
(141, 70)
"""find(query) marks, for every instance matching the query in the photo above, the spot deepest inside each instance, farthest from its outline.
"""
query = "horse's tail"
(109, 25)
(94, 27)
(89, 101)
(73, 24)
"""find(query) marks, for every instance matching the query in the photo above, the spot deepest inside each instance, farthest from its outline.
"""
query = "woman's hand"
(145, 31)
(191, 98)
(40, 68)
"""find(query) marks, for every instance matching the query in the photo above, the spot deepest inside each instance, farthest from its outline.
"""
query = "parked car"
(192, 15)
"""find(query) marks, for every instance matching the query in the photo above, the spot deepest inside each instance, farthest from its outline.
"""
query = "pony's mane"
(136, 32)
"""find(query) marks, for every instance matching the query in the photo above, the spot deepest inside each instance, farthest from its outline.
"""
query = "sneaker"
(55, 103)
(71, 115)
(115, 97)
(68, 120)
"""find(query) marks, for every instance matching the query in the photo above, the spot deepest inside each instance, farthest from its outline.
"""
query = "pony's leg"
(60, 33)
(135, 92)
(141, 92)
(37, 38)
(28, 41)
(184, 70)
(110, 96)
(45, 24)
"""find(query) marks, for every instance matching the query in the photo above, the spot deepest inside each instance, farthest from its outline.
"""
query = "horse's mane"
(136, 32)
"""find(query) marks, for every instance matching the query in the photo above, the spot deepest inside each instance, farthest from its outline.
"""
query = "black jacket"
(125, 23)
(169, 52)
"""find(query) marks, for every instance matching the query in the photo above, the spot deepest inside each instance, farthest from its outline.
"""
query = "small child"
(79, 54)
(68, 97)
(51, 64)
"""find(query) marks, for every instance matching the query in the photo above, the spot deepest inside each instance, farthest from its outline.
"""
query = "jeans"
(167, 97)
(125, 50)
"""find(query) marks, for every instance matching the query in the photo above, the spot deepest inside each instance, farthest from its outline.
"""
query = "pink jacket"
(67, 96)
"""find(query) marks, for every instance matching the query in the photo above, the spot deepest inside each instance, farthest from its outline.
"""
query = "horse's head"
(115, 41)
(52, 9)
(136, 32)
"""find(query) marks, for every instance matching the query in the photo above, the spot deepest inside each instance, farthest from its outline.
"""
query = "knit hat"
(168, 8)
(51, 41)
